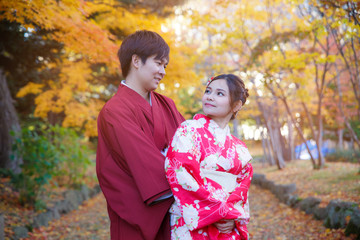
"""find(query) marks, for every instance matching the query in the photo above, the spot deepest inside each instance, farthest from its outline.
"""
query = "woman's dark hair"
(144, 44)
(236, 88)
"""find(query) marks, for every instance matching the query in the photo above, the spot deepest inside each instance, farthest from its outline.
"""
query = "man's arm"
(135, 152)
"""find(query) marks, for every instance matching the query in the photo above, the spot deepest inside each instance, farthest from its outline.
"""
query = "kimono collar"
(219, 133)
(123, 83)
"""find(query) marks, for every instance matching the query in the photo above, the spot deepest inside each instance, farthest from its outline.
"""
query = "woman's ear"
(237, 106)
(135, 61)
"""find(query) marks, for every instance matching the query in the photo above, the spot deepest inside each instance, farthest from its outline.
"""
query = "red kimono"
(130, 165)
(209, 172)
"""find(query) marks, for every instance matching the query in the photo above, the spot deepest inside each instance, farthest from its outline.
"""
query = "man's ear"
(237, 106)
(135, 61)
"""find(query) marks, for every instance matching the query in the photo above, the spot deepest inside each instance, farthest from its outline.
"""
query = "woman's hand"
(225, 226)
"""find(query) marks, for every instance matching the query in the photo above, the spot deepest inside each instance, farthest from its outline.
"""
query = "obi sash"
(226, 180)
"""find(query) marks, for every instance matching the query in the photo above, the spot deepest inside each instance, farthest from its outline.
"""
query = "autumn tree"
(91, 33)
(60, 56)
(294, 55)
(340, 22)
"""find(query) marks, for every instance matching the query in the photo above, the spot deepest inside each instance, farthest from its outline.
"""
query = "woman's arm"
(240, 196)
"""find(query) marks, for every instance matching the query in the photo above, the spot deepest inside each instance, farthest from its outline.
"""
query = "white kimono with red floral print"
(209, 172)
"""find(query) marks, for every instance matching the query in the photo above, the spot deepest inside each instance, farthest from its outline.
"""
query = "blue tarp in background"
(302, 153)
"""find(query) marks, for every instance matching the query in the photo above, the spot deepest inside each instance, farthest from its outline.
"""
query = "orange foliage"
(87, 40)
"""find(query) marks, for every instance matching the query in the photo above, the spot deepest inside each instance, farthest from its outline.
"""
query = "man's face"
(152, 72)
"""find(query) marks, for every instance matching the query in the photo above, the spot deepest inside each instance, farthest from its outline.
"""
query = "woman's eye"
(221, 94)
(207, 91)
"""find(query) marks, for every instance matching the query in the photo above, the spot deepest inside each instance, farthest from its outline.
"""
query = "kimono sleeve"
(240, 195)
(198, 206)
(135, 153)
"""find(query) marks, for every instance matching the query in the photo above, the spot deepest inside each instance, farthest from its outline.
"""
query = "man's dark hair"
(144, 44)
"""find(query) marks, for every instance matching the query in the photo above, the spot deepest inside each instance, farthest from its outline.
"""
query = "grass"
(334, 181)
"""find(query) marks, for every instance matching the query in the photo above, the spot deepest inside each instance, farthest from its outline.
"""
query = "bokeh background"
(298, 58)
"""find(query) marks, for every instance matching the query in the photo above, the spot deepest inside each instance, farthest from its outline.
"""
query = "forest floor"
(270, 219)
(337, 180)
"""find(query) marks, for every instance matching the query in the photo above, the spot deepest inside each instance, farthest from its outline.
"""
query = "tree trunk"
(269, 148)
(280, 162)
(300, 132)
(340, 105)
(276, 143)
(319, 143)
(8, 122)
(291, 138)
(266, 150)
(340, 132)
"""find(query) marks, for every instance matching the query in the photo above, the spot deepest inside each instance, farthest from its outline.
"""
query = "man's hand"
(225, 226)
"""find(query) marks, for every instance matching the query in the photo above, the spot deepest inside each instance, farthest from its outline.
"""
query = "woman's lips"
(209, 105)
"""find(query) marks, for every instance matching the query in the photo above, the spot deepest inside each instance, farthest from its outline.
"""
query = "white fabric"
(226, 180)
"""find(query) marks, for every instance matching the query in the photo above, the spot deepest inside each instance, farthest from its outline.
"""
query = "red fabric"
(130, 166)
(200, 146)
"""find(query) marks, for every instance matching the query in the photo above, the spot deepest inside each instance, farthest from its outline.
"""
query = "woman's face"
(216, 100)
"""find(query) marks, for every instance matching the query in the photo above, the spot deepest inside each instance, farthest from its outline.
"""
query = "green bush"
(349, 155)
(48, 152)
(74, 155)
(39, 161)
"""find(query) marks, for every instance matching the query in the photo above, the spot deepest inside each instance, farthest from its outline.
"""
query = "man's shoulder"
(117, 104)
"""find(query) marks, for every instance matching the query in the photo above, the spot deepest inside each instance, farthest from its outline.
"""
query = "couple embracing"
(164, 177)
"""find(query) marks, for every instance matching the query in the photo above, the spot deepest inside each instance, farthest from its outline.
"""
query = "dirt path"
(90, 221)
(270, 220)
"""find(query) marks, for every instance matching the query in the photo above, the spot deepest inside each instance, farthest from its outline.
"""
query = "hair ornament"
(209, 81)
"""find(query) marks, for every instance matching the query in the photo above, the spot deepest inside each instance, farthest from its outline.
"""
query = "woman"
(209, 170)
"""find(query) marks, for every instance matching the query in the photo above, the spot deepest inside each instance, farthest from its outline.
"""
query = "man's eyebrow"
(163, 60)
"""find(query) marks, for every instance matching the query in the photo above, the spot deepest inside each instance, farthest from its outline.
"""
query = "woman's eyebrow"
(220, 89)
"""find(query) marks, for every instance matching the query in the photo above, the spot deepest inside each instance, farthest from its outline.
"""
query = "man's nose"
(162, 70)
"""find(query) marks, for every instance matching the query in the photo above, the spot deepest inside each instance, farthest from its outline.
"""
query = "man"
(135, 127)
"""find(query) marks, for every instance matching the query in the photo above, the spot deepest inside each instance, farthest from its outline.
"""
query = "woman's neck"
(221, 122)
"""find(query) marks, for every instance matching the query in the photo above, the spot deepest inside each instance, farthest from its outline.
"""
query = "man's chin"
(153, 87)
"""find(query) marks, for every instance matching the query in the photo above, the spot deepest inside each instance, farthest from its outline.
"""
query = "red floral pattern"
(203, 162)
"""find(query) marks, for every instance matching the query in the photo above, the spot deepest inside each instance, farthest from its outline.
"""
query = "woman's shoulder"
(196, 122)
(237, 141)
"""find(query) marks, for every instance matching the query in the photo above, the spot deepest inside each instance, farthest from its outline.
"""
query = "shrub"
(48, 151)
(349, 155)
(74, 155)
(39, 160)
